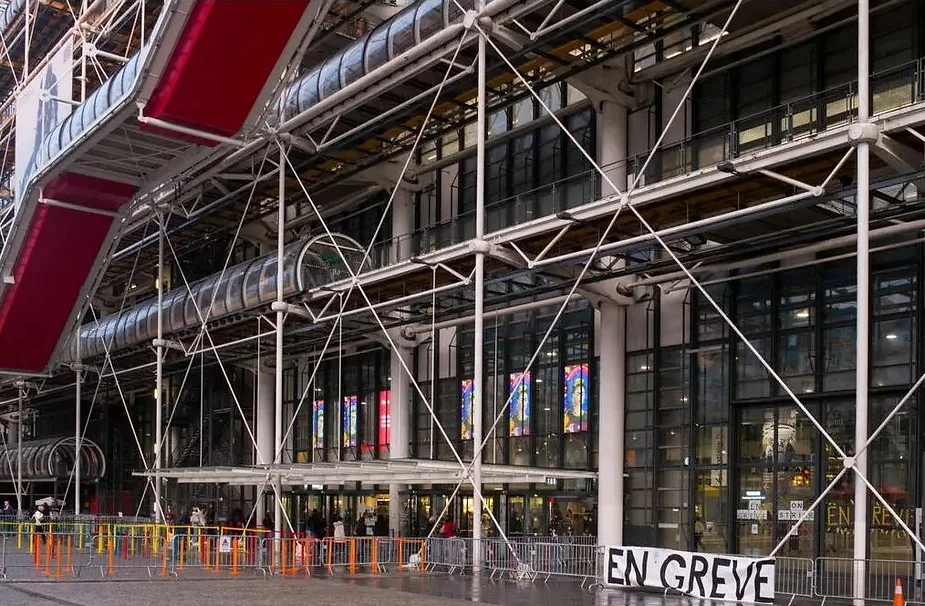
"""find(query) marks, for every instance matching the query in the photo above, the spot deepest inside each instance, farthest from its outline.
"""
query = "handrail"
(730, 131)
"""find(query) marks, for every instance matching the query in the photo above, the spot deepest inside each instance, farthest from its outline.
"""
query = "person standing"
(699, 528)
(38, 519)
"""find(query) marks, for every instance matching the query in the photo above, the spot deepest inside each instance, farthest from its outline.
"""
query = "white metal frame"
(475, 473)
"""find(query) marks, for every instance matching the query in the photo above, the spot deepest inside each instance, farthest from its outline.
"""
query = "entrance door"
(776, 481)
(465, 519)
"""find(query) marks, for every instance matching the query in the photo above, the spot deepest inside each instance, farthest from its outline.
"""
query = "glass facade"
(756, 459)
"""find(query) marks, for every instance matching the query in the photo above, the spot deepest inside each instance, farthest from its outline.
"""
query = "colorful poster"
(385, 420)
(575, 401)
(348, 425)
(318, 424)
(465, 410)
(519, 412)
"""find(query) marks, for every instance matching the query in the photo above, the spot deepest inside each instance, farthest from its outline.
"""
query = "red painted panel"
(91, 192)
(54, 263)
(222, 61)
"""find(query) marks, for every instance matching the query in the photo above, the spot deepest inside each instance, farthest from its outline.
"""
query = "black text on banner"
(717, 577)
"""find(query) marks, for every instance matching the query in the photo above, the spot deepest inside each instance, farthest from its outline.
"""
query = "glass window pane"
(752, 379)
(797, 361)
(839, 345)
(713, 384)
(891, 356)
(754, 512)
(710, 511)
(712, 445)
(756, 427)
(523, 111)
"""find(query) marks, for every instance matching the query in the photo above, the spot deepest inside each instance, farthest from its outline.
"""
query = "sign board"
(224, 544)
(42, 104)
(703, 575)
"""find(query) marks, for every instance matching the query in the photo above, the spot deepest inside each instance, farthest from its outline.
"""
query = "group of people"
(367, 524)
(197, 516)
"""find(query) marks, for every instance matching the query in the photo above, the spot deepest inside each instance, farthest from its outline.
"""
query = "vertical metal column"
(19, 493)
(399, 394)
(863, 305)
(159, 370)
(27, 36)
(612, 337)
(280, 251)
(478, 383)
(78, 422)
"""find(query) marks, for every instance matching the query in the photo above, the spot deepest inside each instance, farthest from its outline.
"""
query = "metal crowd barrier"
(835, 579)
(794, 577)
(147, 552)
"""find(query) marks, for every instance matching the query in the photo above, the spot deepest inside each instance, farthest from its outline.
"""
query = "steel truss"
(277, 143)
(855, 463)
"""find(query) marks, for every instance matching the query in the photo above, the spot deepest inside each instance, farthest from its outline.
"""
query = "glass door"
(776, 481)
(466, 521)
(516, 510)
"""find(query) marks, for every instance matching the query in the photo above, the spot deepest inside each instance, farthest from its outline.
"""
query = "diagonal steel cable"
(849, 461)
(624, 202)
(221, 363)
(477, 491)
(345, 297)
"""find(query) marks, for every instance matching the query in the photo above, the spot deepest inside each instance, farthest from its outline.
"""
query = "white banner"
(40, 107)
(703, 575)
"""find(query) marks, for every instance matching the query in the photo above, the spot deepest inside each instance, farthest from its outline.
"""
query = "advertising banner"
(702, 575)
(40, 106)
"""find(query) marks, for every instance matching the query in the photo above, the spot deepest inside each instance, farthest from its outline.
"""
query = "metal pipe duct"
(407, 29)
(52, 459)
(247, 286)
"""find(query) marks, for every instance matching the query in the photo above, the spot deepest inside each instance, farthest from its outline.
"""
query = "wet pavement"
(407, 590)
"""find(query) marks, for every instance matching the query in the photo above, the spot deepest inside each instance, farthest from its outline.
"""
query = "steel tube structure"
(849, 240)
(280, 320)
(78, 424)
(863, 307)
(159, 370)
(751, 212)
(19, 492)
(478, 383)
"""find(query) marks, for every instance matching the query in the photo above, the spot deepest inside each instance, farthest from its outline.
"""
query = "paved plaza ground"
(356, 591)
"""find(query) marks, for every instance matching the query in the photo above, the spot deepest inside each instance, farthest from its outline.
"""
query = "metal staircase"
(186, 448)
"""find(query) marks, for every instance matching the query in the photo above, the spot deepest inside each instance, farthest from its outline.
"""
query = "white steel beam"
(862, 383)
(478, 371)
